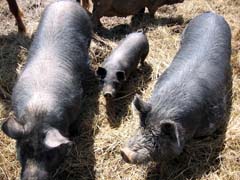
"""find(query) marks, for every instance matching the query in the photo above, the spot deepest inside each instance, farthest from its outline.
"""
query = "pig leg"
(96, 17)
(152, 10)
(143, 56)
(141, 12)
(17, 14)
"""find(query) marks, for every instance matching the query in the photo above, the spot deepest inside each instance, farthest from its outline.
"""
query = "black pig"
(190, 97)
(122, 62)
(47, 96)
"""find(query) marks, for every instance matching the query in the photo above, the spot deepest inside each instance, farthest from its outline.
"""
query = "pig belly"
(125, 8)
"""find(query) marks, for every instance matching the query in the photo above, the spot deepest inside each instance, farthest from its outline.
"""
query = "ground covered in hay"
(96, 151)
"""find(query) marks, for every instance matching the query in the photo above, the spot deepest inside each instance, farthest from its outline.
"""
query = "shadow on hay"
(142, 21)
(81, 161)
(10, 48)
(115, 33)
(146, 21)
(118, 107)
(199, 157)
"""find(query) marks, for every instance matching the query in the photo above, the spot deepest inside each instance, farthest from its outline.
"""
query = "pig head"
(40, 146)
(157, 139)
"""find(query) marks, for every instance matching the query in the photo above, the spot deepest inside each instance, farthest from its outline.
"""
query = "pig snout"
(30, 174)
(108, 91)
(128, 155)
(135, 157)
(108, 95)
(138, 149)
(33, 171)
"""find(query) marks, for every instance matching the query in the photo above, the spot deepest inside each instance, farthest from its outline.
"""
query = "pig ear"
(141, 108)
(121, 76)
(54, 138)
(168, 129)
(139, 105)
(12, 128)
(101, 72)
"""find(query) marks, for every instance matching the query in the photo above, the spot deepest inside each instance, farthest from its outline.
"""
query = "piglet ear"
(101, 72)
(12, 128)
(54, 138)
(169, 130)
(121, 76)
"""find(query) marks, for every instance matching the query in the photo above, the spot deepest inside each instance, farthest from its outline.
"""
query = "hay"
(96, 151)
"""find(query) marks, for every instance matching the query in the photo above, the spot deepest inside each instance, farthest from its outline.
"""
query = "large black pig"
(47, 96)
(190, 97)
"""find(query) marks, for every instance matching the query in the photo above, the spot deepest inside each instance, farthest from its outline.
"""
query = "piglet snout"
(108, 95)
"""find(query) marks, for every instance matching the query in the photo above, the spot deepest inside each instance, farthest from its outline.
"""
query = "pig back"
(193, 89)
(128, 53)
(58, 57)
(205, 51)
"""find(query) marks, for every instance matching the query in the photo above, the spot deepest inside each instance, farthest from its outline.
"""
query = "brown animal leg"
(96, 17)
(17, 14)
(85, 4)
(141, 12)
(152, 10)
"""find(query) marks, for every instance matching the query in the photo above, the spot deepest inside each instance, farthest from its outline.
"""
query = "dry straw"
(103, 131)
